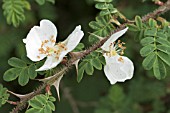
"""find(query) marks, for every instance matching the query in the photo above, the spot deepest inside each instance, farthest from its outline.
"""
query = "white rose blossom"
(118, 68)
(40, 43)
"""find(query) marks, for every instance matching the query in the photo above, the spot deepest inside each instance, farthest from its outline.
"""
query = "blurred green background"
(94, 94)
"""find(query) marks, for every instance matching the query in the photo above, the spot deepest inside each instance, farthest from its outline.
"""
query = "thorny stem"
(23, 102)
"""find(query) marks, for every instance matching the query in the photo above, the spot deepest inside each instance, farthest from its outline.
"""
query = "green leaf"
(163, 41)
(89, 68)
(47, 109)
(16, 62)
(102, 60)
(31, 71)
(103, 0)
(80, 71)
(159, 69)
(161, 35)
(52, 106)
(26, 5)
(146, 50)
(3, 95)
(147, 40)
(103, 6)
(51, 98)
(94, 25)
(23, 77)
(96, 63)
(164, 48)
(164, 57)
(104, 12)
(35, 104)
(14, 11)
(11, 74)
(40, 2)
(152, 23)
(138, 21)
(150, 32)
(102, 26)
(33, 110)
(41, 98)
(133, 27)
(148, 62)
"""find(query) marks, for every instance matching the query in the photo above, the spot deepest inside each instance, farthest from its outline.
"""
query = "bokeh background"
(94, 94)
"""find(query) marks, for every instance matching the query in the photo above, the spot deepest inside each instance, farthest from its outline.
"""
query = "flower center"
(47, 48)
(116, 48)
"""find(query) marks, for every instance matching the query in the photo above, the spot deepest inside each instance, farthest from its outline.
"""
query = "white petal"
(127, 67)
(47, 31)
(113, 38)
(56, 84)
(116, 70)
(35, 37)
(109, 75)
(74, 38)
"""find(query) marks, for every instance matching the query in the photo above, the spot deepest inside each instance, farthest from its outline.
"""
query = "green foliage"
(104, 23)
(156, 49)
(94, 60)
(14, 11)
(42, 2)
(23, 69)
(156, 45)
(41, 104)
(3, 95)
(102, 27)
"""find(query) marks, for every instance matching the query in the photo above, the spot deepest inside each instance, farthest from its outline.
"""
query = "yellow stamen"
(121, 59)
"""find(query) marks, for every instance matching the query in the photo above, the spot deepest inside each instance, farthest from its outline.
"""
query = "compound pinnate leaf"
(14, 11)
(42, 104)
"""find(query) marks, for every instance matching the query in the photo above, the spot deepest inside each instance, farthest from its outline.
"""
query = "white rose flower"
(40, 43)
(118, 68)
